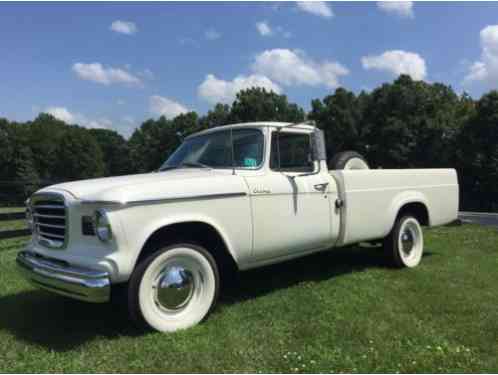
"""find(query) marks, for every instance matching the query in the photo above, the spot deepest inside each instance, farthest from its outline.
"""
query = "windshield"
(214, 150)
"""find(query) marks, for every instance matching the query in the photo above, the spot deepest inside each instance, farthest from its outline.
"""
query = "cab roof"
(259, 124)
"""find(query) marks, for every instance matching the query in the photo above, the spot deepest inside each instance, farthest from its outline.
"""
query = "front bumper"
(58, 277)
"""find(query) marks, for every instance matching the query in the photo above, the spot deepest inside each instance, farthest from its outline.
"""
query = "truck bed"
(373, 197)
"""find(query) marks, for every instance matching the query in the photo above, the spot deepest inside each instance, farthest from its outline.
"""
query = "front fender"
(154, 226)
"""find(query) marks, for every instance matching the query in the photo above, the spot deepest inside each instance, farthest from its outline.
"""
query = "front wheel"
(174, 288)
(405, 244)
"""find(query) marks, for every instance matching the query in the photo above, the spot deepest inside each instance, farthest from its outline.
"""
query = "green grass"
(341, 311)
(12, 225)
(11, 209)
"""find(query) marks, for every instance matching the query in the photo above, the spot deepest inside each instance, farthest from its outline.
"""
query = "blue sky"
(115, 64)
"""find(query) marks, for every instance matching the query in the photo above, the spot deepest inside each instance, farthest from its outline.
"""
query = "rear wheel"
(405, 244)
(174, 288)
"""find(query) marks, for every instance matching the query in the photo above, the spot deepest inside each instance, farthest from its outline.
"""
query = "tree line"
(403, 124)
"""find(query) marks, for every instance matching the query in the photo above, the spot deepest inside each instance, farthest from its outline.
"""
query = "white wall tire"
(405, 243)
(356, 163)
(174, 288)
(350, 160)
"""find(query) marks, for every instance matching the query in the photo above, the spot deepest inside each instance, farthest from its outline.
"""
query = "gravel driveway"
(479, 218)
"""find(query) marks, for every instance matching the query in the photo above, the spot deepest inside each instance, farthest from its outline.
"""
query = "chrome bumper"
(75, 282)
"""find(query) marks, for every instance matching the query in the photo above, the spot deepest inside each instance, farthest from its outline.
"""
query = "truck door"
(291, 213)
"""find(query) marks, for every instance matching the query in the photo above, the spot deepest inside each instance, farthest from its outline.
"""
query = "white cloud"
(100, 123)
(127, 126)
(63, 114)
(128, 119)
(96, 72)
(486, 69)
(318, 8)
(397, 62)
(124, 27)
(212, 34)
(264, 28)
(162, 106)
(295, 68)
(398, 8)
(215, 90)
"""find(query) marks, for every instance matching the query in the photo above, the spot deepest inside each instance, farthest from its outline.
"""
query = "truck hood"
(176, 183)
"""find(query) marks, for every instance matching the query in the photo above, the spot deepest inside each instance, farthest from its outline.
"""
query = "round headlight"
(29, 219)
(102, 226)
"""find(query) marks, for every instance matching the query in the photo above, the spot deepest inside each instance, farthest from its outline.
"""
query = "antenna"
(233, 152)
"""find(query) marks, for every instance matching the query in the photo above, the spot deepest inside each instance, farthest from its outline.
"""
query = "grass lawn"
(12, 225)
(341, 311)
(11, 209)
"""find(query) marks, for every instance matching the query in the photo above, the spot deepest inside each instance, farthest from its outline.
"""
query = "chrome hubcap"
(174, 288)
(407, 240)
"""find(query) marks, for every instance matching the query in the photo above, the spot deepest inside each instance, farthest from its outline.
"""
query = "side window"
(291, 152)
(248, 148)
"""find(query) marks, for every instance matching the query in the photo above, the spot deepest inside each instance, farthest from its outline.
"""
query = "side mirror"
(318, 151)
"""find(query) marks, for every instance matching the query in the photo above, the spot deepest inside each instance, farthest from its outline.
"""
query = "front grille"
(50, 219)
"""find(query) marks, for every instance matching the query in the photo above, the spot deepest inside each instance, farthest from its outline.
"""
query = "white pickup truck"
(232, 197)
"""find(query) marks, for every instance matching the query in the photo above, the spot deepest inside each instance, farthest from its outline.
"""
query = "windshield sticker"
(250, 162)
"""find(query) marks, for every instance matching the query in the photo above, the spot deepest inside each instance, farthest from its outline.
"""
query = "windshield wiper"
(194, 165)
(188, 164)
(167, 168)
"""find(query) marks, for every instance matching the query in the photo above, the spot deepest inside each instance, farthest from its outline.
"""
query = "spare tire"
(348, 160)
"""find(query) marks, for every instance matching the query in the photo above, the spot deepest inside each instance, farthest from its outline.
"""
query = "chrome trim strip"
(182, 199)
(51, 225)
(167, 200)
(49, 216)
(45, 234)
(100, 202)
(50, 206)
(76, 282)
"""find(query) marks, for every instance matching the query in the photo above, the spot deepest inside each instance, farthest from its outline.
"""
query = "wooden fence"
(8, 216)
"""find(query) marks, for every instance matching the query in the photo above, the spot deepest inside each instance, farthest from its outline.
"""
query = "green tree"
(155, 140)
(27, 180)
(258, 104)
(78, 156)
(410, 124)
(219, 115)
(18, 175)
(44, 138)
(478, 155)
(340, 116)
(7, 147)
(115, 151)
(146, 144)
(182, 126)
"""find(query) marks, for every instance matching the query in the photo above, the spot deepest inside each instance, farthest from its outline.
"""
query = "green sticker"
(249, 162)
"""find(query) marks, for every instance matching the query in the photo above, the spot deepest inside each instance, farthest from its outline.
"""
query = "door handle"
(321, 187)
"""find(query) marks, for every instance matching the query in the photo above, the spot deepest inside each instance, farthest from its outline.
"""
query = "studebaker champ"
(232, 197)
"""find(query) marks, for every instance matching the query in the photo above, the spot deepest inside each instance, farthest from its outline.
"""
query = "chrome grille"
(50, 220)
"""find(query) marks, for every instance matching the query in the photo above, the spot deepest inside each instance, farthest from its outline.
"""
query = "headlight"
(29, 219)
(102, 226)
